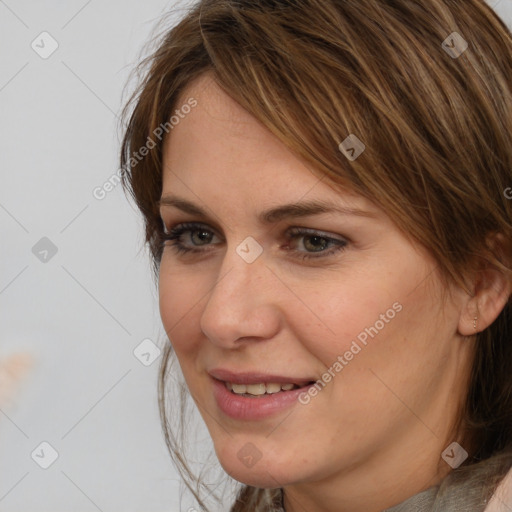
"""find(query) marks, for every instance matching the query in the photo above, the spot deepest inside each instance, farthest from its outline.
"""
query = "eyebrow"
(273, 215)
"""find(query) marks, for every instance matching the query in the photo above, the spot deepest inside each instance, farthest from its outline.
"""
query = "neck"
(378, 483)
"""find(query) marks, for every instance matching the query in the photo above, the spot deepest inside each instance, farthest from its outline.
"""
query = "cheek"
(344, 313)
(378, 329)
(179, 305)
(379, 320)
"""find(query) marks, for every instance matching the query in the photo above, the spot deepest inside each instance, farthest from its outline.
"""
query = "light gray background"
(82, 313)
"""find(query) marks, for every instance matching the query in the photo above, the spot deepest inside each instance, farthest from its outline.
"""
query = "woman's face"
(278, 291)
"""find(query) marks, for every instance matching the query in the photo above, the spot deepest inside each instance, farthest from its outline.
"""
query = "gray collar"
(465, 489)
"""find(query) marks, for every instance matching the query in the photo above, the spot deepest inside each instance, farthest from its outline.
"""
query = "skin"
(375, 434)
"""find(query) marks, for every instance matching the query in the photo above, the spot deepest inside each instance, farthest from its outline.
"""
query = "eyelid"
(337, 242)
(296, 230)
(188, 225)
(290, 230)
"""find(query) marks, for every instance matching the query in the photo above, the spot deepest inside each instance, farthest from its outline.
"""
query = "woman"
(323, 185)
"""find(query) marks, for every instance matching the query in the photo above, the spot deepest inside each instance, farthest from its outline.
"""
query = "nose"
(242, 304)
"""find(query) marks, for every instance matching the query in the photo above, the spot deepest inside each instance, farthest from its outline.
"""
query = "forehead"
(217, 120)
(220, 141)
(220, 150)
(213, 99)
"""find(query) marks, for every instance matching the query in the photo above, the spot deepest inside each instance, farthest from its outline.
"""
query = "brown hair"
(437, 129)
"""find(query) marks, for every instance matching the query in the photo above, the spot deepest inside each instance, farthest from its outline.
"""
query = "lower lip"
(244, 408)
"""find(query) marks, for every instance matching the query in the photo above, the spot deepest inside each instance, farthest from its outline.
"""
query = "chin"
(249, 466)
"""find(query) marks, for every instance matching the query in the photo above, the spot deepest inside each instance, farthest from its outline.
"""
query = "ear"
(491, 292)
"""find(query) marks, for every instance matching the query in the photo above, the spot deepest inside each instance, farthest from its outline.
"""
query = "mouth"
(255, 396)
(261, 389)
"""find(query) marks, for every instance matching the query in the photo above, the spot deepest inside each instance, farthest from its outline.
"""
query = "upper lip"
(256, 377)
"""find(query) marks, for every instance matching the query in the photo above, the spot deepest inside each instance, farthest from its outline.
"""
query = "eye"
(194, 238)
(315, 242)
(197, 234)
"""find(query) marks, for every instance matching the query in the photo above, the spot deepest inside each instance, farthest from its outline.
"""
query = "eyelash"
(174, 236)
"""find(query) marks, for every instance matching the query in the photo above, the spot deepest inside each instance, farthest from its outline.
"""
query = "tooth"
(259, 389)
(273, 388)
(256, 389)
(240, 388)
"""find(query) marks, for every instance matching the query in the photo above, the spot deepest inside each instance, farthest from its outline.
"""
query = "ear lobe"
(492, 289)
(469, 321)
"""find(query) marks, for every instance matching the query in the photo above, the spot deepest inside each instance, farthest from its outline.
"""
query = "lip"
(256, 378)
(252, 409)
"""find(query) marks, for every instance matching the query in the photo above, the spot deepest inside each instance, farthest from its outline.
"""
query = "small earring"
(475, 320)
